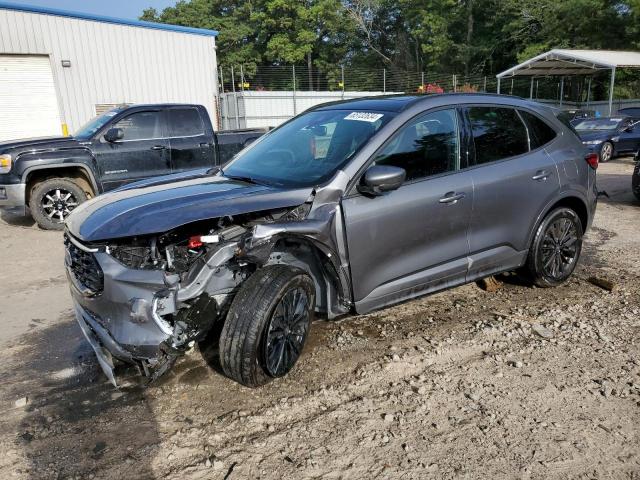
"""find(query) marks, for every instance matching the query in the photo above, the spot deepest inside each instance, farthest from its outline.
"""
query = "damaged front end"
(146, 300)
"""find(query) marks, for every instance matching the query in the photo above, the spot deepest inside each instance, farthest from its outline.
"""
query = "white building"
(58, 69)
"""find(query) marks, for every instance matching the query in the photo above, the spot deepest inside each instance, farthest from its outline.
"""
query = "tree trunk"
(467, 58)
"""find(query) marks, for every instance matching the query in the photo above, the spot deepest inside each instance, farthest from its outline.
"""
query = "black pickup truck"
(52, 176)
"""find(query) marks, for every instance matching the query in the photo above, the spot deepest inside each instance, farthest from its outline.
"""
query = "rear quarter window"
(540, 133)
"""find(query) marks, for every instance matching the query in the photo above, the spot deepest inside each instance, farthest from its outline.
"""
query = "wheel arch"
(76, 172)
(573, 201)
(315, 259)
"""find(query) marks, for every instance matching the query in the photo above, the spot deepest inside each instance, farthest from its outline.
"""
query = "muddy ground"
(520, 383)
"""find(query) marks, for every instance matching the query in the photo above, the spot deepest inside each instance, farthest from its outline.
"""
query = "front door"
(514, 179)
(142, 152)
(191, 146)
(414, 239)
(629, 138)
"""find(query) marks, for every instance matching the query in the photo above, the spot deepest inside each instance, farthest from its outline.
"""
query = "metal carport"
(562, 63)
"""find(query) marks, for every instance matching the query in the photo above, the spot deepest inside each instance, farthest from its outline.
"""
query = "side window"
(427, 146)
(184, 122)
(539, 131)
(140, 126)
(497, 133)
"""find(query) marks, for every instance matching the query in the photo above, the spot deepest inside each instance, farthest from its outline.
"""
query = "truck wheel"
(267, 325)
(556, 248)
(52, 201)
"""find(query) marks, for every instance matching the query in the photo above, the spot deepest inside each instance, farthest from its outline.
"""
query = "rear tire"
(606, 152)
(267, 325)
(52, 200)
(555, 249)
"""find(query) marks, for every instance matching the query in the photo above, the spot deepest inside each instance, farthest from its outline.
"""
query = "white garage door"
(28, 101)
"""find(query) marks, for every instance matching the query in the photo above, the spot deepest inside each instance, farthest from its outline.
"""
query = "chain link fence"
(265, 96)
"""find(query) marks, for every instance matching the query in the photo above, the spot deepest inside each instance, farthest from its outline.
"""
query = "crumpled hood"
(28, 144)
(161, 206)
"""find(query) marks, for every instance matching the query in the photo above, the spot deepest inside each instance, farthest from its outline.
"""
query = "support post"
(241, 79)
(484, 89)
(589, 93)
(342, 79)
(235, 97)
(531, 90)
(384, 80)
(561, 90)
(455, 87)
(295, 106)
(498, 88)
(422, 81)
(613, 80)
(223, 105)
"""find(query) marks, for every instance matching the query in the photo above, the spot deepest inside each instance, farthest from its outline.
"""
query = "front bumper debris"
(131, 303)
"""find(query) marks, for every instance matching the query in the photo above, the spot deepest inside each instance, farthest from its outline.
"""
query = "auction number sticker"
(364, 116)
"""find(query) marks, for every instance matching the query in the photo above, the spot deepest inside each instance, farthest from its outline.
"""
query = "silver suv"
(346, 208)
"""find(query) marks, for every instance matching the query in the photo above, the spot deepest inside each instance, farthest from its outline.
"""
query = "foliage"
(447, 36)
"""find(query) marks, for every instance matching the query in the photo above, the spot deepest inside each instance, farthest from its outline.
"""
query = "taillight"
(592, 160)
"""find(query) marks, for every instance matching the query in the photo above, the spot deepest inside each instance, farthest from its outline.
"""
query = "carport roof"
(573, 62)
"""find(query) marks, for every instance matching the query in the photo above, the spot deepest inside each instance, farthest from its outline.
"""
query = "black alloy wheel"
(556, 248)
(287, 332)
(559, 248)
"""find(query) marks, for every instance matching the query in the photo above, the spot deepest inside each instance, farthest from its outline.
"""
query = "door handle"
(158, 147)
(540, 175)
(452, 197)
(204, 145)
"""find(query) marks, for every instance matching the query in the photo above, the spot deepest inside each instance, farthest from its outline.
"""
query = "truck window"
(185, 122)
(141, 126)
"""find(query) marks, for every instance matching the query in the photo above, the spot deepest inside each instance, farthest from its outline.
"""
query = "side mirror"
(114, 134)
(381, 178)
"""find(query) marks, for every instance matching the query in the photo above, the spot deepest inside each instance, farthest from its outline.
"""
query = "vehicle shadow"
(75, 424)
(16, 220)
(618, 188)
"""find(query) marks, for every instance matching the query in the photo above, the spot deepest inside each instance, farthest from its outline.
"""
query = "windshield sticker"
(110, 114)
(364, 116)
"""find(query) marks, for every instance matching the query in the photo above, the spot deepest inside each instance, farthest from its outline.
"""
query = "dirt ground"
(519, 383)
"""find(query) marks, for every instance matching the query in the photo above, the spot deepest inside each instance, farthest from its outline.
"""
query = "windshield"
(309, 149)
(599, 124)
(95, 124)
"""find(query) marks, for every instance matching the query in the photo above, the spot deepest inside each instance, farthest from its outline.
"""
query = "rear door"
(514, 179)
(414, 239)
(143, 151)
(190, 143)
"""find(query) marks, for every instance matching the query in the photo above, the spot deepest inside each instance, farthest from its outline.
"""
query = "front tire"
(606, 152)
(556, 248)
(52, 200)
(267, 325)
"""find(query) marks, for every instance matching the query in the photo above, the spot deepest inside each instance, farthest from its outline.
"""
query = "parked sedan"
(347, 208)
(610, 136)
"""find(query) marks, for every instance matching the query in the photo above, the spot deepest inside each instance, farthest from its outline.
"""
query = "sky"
(129, 9)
